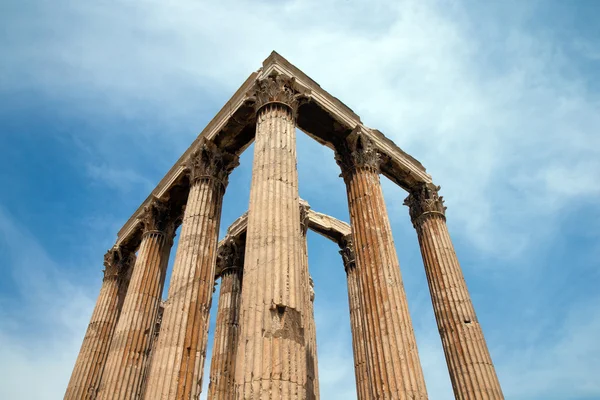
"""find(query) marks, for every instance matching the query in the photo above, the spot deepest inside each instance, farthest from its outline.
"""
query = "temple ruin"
(265, 347)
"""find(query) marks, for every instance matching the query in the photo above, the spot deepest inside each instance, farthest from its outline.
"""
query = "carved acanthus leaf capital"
(425, 200)
(278, 88)
(230, 256)
(210, 162)
(117, 261)
(347, 252)
(357, 152)
(157, 217)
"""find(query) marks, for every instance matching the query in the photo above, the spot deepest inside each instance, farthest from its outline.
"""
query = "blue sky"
(499, 100)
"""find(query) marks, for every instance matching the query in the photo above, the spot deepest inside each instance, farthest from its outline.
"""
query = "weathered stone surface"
(471, 369)
(325, 225)
(392, 358)
(178, 360)
(91, 360)
(324, 118)
(275, 345)
(222, 366)
(359, 346)
(157, 324)
(312, 362)
(312, 365)
(122, 378)
(271, 355)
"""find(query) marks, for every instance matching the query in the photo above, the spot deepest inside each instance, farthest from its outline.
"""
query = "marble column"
(363, 389)
(157, 324)
(122, 378)
(312, 367)
(222, 367)
(471, 369)
(271, 356)
(392, 358)
(89, 366)
(177, 367)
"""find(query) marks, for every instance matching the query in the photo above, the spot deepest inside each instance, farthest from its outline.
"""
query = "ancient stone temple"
(138, 346)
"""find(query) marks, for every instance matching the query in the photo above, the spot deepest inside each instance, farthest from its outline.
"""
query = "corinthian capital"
(425, 200)
(230, 256)
(157, 217)
(117, 261)
(347, 252)
(210, 162)
(357, 152)
(277, 88)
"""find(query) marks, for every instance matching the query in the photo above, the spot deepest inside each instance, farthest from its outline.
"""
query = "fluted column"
(177, 366)
(157, 324)
(471, 369)
(392, 358)
(363, 389)
(222, 367)
(89, 366)
(312, 367)
(271, 356)
(122, 378)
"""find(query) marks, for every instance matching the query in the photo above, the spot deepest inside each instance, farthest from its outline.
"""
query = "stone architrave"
(312, 366)
(271, 356)
(89, 366)
(222, 367)
(178, 362)
(363, 388)
(122, 378)
(469, 362)
(392, 358)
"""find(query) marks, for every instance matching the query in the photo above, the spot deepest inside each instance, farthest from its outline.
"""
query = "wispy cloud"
(43, 317)
(504, 129)
(556, 365)
(495, 109)
(124, 180)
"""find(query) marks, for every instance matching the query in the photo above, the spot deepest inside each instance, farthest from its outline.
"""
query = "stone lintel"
(326, 117)
(325, 225)
(228, 117)
(323, 117)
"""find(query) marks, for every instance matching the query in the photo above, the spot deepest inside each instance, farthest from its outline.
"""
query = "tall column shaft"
(363, 388)
(469, 363)
(178, 362)
(271, 356)
(222, 366)
(392, 358)
(89, 366)
(154, 340)
(312, 365)
(129, 348)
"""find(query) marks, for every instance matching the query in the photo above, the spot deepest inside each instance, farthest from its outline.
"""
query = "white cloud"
(556, 365)
(124, 180)
(43, 319)
(494, 111)
(500, 125)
